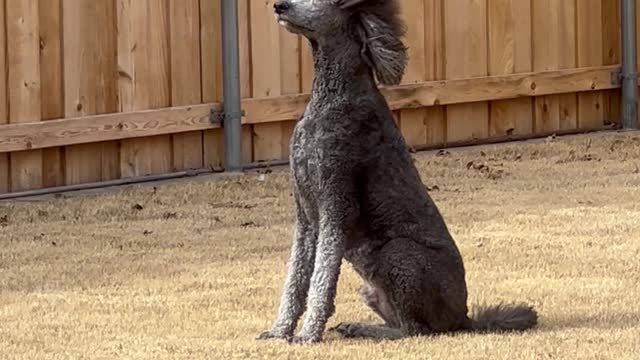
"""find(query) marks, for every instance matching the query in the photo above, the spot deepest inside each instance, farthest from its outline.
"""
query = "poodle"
(359, 197)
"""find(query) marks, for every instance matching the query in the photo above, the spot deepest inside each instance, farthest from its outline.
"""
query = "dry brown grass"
(193, 269)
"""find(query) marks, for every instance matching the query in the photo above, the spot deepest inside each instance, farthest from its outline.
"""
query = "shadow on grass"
(602, 321)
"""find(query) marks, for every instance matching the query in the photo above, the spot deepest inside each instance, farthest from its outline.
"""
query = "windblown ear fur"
(381, 30)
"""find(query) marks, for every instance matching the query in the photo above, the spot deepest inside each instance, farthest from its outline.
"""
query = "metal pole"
(231, 87)
(629, 65)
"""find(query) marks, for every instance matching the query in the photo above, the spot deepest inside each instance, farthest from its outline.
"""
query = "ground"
(193, 269)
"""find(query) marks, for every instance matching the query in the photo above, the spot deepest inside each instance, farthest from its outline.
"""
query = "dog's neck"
(340, 69)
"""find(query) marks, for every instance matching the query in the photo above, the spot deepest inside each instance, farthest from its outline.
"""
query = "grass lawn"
(193, 269)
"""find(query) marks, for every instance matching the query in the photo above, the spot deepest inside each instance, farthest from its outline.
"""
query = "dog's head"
(375, 24)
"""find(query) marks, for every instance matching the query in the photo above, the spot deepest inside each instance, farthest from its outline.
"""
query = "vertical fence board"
(611, 31)
(307, 66)
(546, 43)
(267, 59)
(611, 56)
(290, 80)
(412, 126)
(185, 78)
(435, 117)
(567, 60)
(435, 64)
(246, 52)
(510, 52)
(554, 47)
(4, 110)
(211, 50)
(286, 132)
(413, 14)
(466, 56)
(144, 84)
(90, 84)
(289, 61)
(23, 44)
(246, 73)
(52, 100)
(412, 121)
(590, 53)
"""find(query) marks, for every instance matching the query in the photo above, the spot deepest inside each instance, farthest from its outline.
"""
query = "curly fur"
(381, 29)
(503, 317)
(358, 196)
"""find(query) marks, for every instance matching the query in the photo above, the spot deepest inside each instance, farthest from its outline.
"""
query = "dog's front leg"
(296, 286)
(336, 220)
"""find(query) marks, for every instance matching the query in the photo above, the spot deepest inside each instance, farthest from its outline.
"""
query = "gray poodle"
(359, 197)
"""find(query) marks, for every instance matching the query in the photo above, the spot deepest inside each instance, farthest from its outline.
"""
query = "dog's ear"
(383, 48)
(380, 28)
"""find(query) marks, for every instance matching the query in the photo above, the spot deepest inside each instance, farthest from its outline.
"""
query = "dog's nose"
(281, 6)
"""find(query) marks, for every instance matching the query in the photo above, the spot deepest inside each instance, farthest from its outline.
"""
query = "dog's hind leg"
(361, 330)
(378, 301)
(395, 327)
(417, 290)
(408, 328)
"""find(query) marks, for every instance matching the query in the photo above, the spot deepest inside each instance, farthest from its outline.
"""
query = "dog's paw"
(347, 329)
(305, 339)
(271, 335)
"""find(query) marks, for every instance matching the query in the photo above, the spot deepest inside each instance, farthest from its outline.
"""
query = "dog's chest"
(305, 163)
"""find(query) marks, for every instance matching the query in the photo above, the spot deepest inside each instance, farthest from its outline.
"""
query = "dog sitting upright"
(358, 195)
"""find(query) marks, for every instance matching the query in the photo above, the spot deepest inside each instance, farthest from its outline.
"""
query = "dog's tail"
(503, 317)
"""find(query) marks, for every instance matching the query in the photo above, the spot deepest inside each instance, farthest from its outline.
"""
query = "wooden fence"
(96, 90)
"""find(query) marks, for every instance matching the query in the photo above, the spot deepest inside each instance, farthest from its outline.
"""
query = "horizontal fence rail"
(40, 135)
